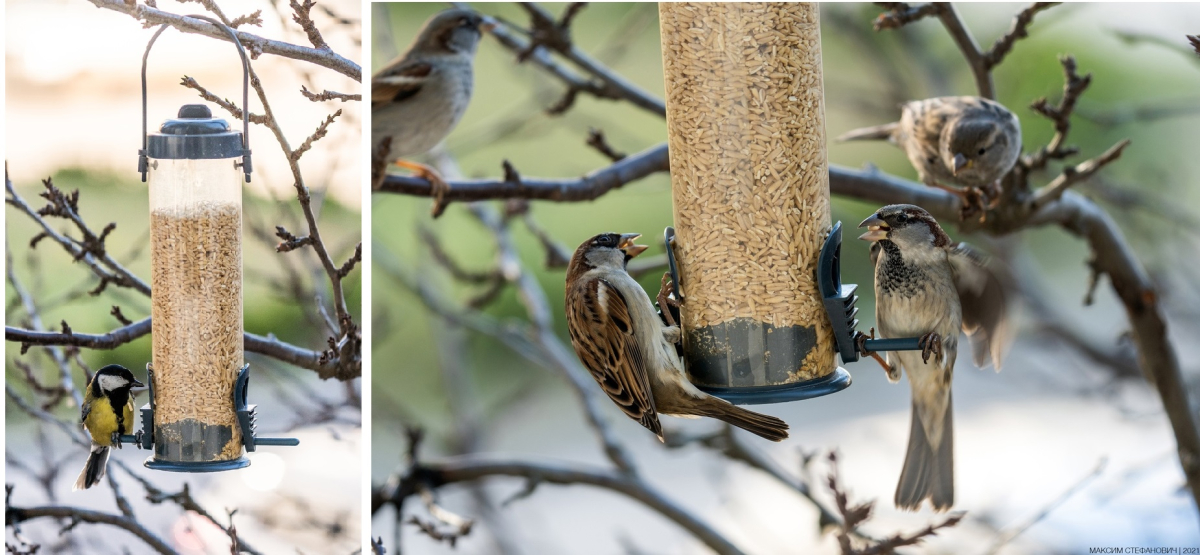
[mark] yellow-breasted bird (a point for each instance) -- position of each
(107, 414)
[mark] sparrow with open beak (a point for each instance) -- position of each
(418, 98)
(965, 140)
(928, 287)
(619, 337)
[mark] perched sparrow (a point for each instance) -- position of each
(927, 286)
(619, 337)
(107, 413)
(418, 98)
(965, 140)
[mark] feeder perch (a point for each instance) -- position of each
(750, 184)
(198, 419)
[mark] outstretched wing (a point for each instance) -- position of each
(398, 83)
(984, 304)
(602, 334)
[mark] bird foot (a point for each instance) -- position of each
(974, 200)
(116, 439)
(860, 340)
(438, 188)
(665, 289)
(930, 344)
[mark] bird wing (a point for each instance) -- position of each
(982, 296)
(400, 82)
(602, 333)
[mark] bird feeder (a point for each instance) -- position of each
(750, 184)
(194, 166)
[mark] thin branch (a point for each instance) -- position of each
(1019, 30)
(1076, 174)
(328, 95)
(589, 187)
(900, 14)
(604, 83)
(254, 44)
(468, 469)
(303, 17)
(970, 49)
(267, 346)
(16, 515)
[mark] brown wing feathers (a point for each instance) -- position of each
(612, 355)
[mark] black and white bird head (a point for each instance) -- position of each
(114, 377)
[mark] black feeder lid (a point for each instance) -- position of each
(195, 135)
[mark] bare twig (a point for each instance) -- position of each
(1075, 174)
(16, 515)
(328, 95)
(254, 44)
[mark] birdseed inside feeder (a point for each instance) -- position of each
(750, 184)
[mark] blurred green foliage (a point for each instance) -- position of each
(866, 74)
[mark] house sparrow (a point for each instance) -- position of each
(418, 98)
(927, 286)
(965, 140)
(631, 352)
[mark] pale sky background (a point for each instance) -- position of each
(73, 91)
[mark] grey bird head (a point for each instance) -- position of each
(910, 227)
(609, 250)
(115, 377)
(977, 149)
(454, 31)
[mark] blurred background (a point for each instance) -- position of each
(73, 109)
(1069, 409)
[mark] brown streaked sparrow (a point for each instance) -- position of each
(630, 351)
(928, 287)
(965, 140)
(418, 98)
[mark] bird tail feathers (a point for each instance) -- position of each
(928, 471)
(874, 133)
(761, 425)
(93, 471)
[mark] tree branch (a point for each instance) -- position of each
(17, 515)
(255, 44)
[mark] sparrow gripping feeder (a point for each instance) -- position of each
(839, 305)
(198, 419)
(750, 183)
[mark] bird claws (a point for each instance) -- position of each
(116, 439)
(665, 289)
(438, 188)
(930, 344)
(860, 340)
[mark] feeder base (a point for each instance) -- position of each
(210, 466)
(836, 381)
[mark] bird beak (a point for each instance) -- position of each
(960, 163)
(137, 386)
(488, 24)
(877, 229)
(631, 250)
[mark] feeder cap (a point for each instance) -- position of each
(194, 135)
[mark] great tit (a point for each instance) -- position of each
(105, 422)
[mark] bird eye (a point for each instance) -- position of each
(981, 151)
(902, 218)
